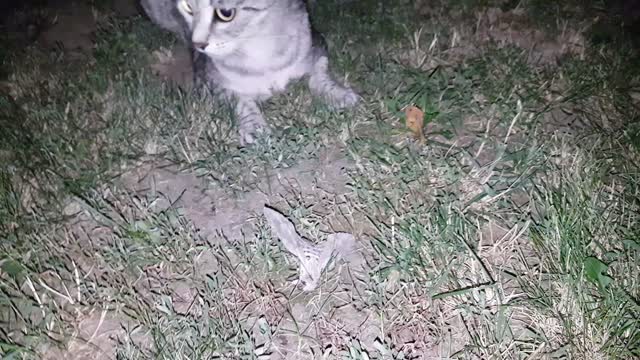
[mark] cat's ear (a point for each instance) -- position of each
(281, 226)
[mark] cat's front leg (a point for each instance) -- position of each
(251, 122)
(321, 84)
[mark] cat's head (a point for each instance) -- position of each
(218, 26)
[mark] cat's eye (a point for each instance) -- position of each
(186, 7)
(226, 15)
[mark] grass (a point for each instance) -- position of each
(512, 233)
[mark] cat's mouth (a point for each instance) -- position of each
(214, 49)
(228, 46)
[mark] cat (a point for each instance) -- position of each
(246, 51)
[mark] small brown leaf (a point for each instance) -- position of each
(415, 121)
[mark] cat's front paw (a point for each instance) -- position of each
(348, 99)
(252, 127)
(322, 84)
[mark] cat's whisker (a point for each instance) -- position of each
(254, 37)
(269, 36)
(235, 40)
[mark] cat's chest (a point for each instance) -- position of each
(266, 72)
(262, 85)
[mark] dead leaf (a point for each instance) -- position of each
(415, 121)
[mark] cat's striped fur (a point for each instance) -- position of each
(256, 53)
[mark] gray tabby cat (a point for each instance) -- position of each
(248, 50)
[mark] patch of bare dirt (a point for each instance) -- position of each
(96, 336)
(72, 28)
(502, 28)
(514, 27)
(173, 66)
(62, 25)
(217, 211)
(126, 8)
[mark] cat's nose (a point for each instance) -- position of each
(200, 45)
